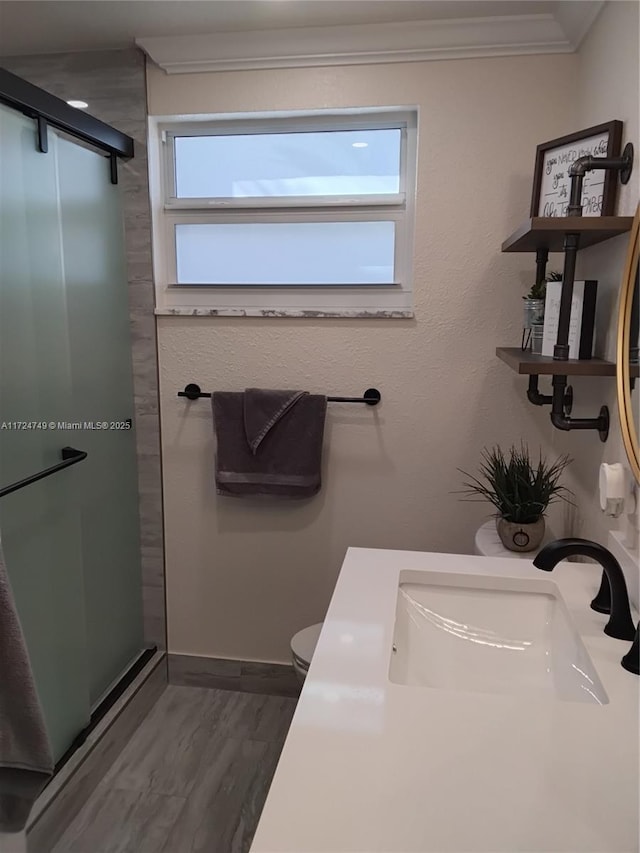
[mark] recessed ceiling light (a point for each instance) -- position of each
(359, 144)
(79, 105)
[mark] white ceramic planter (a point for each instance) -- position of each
(520, 537)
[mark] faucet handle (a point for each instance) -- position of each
(631, 661)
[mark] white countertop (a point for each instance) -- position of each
(374, 766)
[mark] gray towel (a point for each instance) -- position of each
(269, 442)
(26, 763)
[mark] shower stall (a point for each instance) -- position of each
(71, 538)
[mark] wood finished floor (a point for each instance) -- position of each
(193, 778)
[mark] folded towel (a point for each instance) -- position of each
(269, 442)
(26, 763)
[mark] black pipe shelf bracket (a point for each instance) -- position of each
(561, 398)
(50, 111)
(534, 396)
(371, 396)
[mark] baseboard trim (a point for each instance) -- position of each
(70, 789)
(273, 679)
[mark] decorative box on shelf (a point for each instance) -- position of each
(581, 324)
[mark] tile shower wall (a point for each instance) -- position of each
(113, 83)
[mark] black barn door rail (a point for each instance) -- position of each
(46, 109)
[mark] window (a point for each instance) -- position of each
(285, 214)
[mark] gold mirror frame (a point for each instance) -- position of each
(623, 369)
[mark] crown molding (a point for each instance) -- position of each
(576, 19)
(410, 41)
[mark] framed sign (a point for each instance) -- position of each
(551, 180)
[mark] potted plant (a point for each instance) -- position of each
(521, 490)
(534, 304)
(534, 313)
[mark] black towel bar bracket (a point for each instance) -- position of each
(371, 396)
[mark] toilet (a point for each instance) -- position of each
(303, 645)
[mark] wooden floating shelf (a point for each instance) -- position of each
(528, 364)
(548, 232)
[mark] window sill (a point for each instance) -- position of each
(364, 314)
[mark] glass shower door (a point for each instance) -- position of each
(100, 355)
(71, 540)
(40, 524)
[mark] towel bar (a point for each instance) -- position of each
(371, 396)
(70, 456)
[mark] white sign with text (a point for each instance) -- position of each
(556, 182)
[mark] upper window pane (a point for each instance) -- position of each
(263, 165)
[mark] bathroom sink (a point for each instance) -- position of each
(489, 635)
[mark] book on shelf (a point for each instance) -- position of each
(581, 324)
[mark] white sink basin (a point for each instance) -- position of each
(489, 635)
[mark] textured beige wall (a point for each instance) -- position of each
(609, 69)
(242, 577)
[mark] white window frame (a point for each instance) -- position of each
(394, 300)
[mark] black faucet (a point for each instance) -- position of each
(620, 624)
(631, 661)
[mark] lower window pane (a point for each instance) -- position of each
(286, 253)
